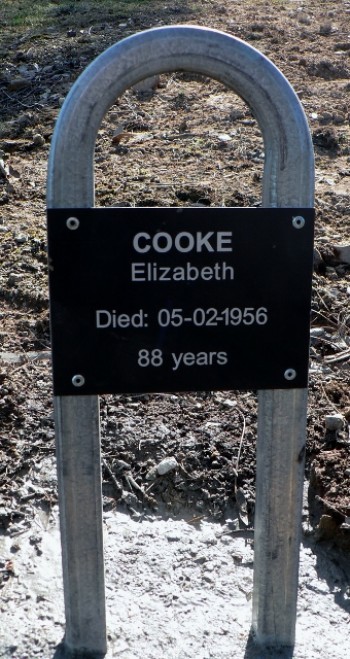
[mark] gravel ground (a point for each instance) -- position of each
(173, 588)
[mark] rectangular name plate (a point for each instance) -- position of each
(179, 299)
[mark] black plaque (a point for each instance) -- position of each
(179, 299)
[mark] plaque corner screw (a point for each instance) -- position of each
(298, 221)
(290, 374)
(72, 223)
(78, 380)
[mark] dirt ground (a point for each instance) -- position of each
(183, 141)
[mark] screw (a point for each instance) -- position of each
(78, 380)
(298, 222)
(290, 374)
(72, 223)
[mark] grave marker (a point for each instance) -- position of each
(179, 299)
(168, 242)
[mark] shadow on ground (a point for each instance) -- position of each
(333, 566)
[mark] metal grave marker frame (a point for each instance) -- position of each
(288, 182)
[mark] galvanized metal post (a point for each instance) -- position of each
(79, 479)
(279, 490)
(288, 182)
(78, 447)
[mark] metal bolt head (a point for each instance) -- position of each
(72, 223)
(290, 374)
(298, 222)
(78, 380)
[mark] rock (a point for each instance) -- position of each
(38, 140)
(224, 137)
(147, 85)
(317, 331)
(326, 29)
(334, 422)
(14, 279)
(166, 465)
(21, 238)
(229, 403)
(342, 253)
(345, 526)
(162, 468)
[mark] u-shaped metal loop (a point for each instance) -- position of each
(288, 182)
(289, 168)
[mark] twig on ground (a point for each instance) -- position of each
(339, 357)
(118, 487)
(241, 441)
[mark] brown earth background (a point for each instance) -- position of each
(179, 141)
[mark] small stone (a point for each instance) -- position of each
(14, 279)
(334, 421)
(342, 253)
(166, 465)
(21, 238)
(224, 137)
(345, 526)
(147, 85)
(317, 331)
(38, 140)
(162, 468)
(229, 403)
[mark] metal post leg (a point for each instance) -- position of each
(80, 498)
(279, 492)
